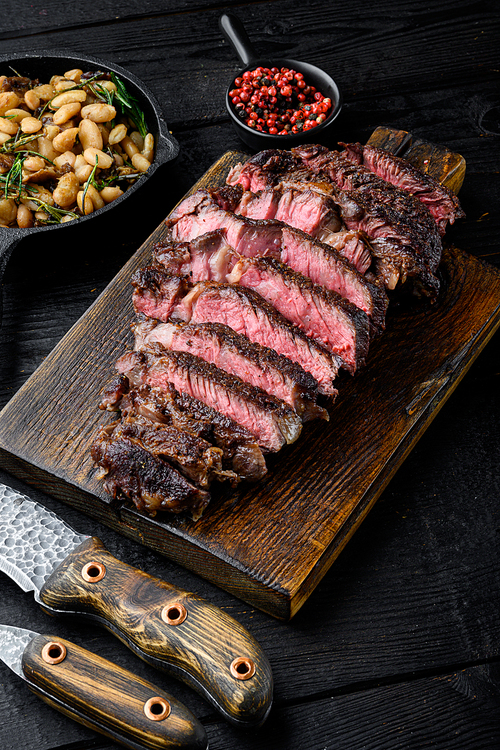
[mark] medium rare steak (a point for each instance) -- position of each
(441, 202)
(205, 256)
(271, 421)
(324, 316)
(387, 211)
(250, 315)
(338, 325)
(152, 484)
(237, 355)
(167, 406)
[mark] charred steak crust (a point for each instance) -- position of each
(442, 202)
(168, 406)
(152, 484)
(193, 456)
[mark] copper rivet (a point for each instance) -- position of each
(157, 708)
(174, 614)
(242, 668)
(93, 572)
(53, 652)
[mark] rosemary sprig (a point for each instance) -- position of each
(56, 213)
(90, 180)
(129, 105)
(14, 143)
(15, 176)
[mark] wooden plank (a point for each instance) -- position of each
(269, 544)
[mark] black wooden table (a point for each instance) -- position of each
(399, 646)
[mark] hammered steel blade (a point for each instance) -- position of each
(33, 540)
(13, 641)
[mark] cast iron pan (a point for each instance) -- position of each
(44, 64)
(235, 33)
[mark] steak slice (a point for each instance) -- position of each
(206, 256)
(167, 406)
(237, 355)
(386, 211)
(247, 313)
(302, 208)
(440, 200)
(153, 485)
(326, 317)
(272, 421)
(193, 456)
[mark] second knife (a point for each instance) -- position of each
(171, 629)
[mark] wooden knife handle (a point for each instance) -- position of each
(171, 629)
(107, 698)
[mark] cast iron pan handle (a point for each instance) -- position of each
(235, 33)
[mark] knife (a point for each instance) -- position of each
(101, 695)
(171, 629)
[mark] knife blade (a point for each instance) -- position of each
(99, 694)
(171, 629)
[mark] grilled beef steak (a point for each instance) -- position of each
(130, 471)
(441, 202)
(240, 450)
(193, 456)
(270, 420)
(237, 355)
(247, 313)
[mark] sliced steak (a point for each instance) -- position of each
(207, 256)
(237, 355)
(320, 263)
(193, 456)
(441, 202)
(167, 406)
(250, 315)
(271, 421)
(386, 211)
(326, 317)
(302, 208)
(153, 485)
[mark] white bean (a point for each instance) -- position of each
(104, 161)
(8, 100)
(8, 210)
(99, 112)
(89, 206)
(67, 189)
(68, 97)
(65, 140)
(109, 193)
(140, 162)
(90, 135)
(117, 134)
(24, 217)
(66, 112)
(31, 125)
(8, 126)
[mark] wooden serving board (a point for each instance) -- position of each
(270, 543)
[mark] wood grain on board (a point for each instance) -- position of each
(270, 543)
